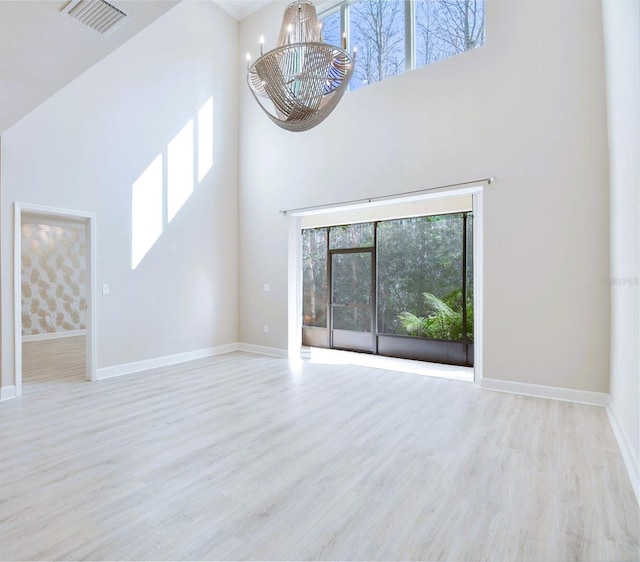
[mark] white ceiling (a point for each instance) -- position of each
(43, 49)
(240, 9)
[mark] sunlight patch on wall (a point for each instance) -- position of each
(169, 181)
(179, 170)
(205, 138)
(146, 211)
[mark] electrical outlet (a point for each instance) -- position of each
(266, 288)
(265, 328)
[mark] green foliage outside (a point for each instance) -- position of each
(418, 270)
(444, 319)
(416, 256)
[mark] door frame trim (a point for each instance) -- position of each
(90, 219)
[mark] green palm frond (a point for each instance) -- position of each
(443, 320)
(412, 324)
(438, 305)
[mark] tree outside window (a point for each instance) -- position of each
(445, 28)
(377, 29)
(381, 32)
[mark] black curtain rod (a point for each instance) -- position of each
(489, 181)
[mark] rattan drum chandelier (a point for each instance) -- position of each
(301, 81)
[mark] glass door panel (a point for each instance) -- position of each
(352, 300)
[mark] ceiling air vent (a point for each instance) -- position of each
(99, 15)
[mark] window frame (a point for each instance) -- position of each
(330, 7)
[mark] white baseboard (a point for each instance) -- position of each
(551, 392)
(262, 350)
(630, 458)
(167, 360)
(137, 366)
(7, 393)
(54, 335)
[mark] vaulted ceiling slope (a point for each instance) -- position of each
(42, 48)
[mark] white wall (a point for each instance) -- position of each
(529, 108)
(622, 51)
(85, 147)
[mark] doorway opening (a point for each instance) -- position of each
(352, 300)
(371, 305)
(399, 288)
(54, 269)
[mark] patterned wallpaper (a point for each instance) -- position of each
(54, 296)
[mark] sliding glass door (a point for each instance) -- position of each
(401, 287)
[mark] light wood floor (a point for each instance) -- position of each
(60, 359)
(242, 457)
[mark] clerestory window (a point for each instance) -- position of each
(392, 36)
